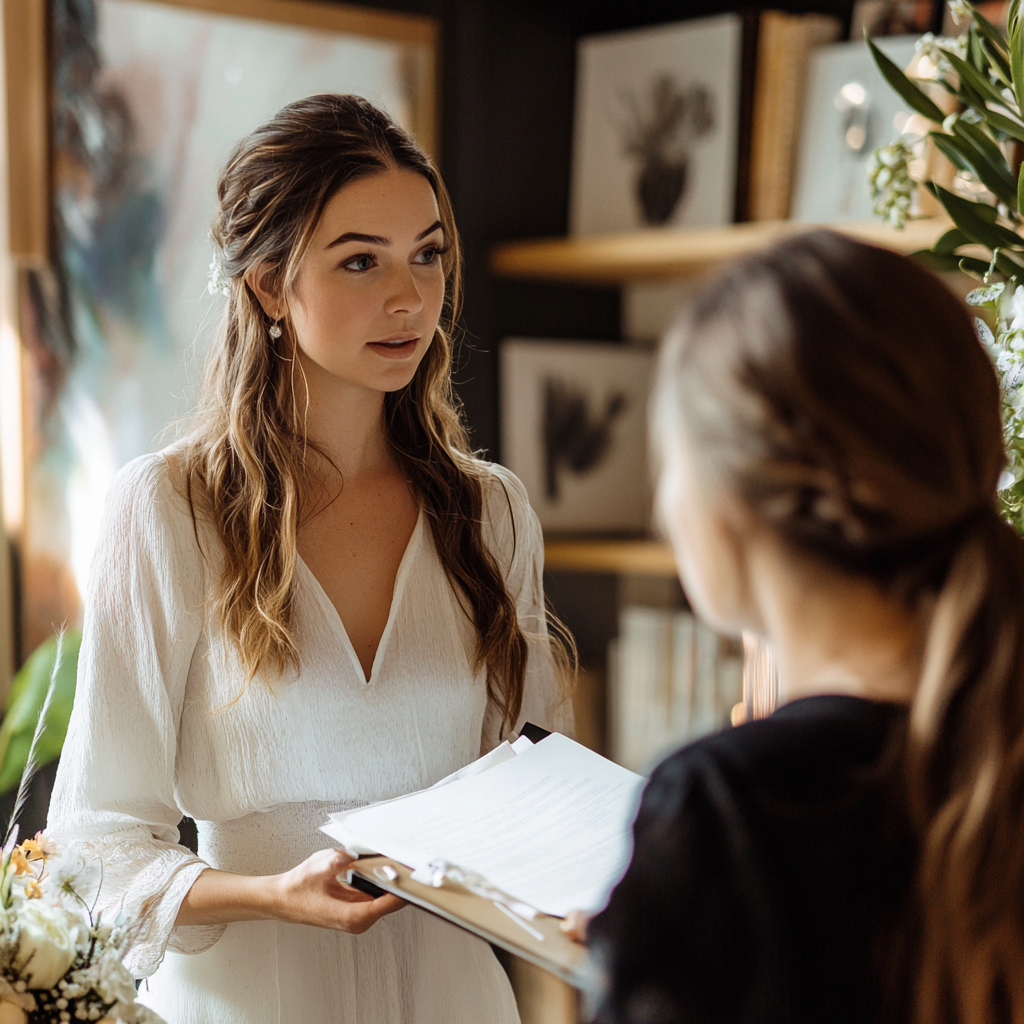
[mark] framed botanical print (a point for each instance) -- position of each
(574, 430)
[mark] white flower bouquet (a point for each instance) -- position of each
(58, 961)
(982, 75)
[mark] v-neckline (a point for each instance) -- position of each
(396, 596)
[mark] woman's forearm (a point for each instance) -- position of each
(313, 892)
(220, 897)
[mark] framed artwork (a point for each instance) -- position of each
(850, 110)
(894, 18)
(147, 98)
(657, 118)
(574, 430)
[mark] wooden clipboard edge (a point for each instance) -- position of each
(556, 953)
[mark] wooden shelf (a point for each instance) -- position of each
(638, 255)
(643, 557)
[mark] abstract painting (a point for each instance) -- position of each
(573, 429)
(148, 100)
(656, 127)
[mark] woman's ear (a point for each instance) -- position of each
(259, 279)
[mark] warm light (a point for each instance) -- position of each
(11, 436)
(95, 465)
(854, 93)
(855, 137)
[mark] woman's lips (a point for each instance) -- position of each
(398, 348)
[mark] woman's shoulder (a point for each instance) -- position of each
(811, 750)
(511, 528)
(149, 491)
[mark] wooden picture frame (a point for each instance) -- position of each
(31, 264)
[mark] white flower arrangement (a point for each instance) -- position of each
(59, 962)
(891, 186)
(1004, 301)
(983, 141)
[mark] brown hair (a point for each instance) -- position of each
(839, 390)
(247, 462)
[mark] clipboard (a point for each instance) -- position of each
(554, 951)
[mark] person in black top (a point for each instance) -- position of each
(830, 445)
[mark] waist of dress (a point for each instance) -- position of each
(267, 842)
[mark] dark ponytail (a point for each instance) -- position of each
(965, 761)
(840, 392)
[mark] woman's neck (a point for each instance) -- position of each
(833, 632)
(345, 421)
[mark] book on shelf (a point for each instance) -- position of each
(784, 45)
(672, 680)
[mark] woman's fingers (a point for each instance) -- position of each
(356, 918)
(575, 925)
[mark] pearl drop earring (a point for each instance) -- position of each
(275, 330)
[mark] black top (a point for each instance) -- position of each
(770, 879)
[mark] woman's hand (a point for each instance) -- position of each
(313, 893)
(575, 925)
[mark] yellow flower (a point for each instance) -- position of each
(36, 848)
(20, 862)
(32, 890)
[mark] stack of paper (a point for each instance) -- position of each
(548, 824)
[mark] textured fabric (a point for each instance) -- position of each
(163, 725)
(772, 869)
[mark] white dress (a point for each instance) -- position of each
(157, 732)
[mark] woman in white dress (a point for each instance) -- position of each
(318, 599)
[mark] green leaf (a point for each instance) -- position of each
(1000, 122)
(974, 268)
(1016, 55)
(28, 691)
(940, 262)
(952, 149)
(913, 95)
(1008, 266)
(989, 163)
(1000, 65)
(992, 34)
(950, 242)
(973, 220)
(970, 76)
(1020, 189)
(964, 154)
(974, 52)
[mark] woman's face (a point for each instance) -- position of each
(370, 286)
(706, 539)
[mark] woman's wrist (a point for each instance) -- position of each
(222, 897)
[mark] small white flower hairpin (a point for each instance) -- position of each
(219, 281)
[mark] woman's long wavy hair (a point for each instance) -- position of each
(840, 392)
(248, 465)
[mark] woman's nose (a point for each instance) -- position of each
(405, 295)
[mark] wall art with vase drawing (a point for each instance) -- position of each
(656, 127)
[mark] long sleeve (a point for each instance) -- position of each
(115, 788)
(514, 535)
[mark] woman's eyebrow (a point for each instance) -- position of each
(355, 236)
(433, 227)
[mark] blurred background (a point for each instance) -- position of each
(601, 156)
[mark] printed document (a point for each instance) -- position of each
(549, 826)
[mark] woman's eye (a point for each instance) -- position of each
(430, 255)
(364, 261)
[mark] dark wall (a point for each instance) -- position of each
(508, 72)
